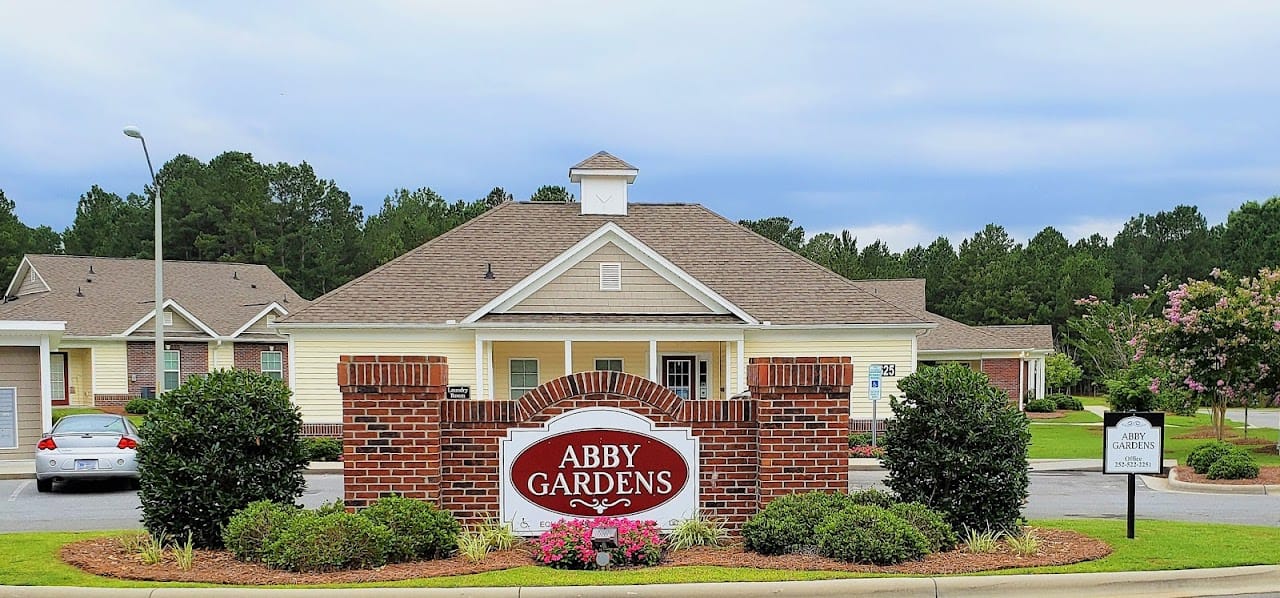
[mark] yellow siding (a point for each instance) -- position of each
(865, 349)
(577, 290)
(80, 374)
(222, 357)
(550, 356)
(634, 356)
(315, 362)
(260, 327)
(110, 367)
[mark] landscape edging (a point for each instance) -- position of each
(1182, 486)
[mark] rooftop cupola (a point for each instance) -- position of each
(604, 180)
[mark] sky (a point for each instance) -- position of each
(900, 121)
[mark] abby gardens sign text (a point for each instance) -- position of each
(598, 461)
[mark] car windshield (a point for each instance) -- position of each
(90, 424)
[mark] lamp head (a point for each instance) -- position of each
(133, 132)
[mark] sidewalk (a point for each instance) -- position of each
(25, 469)
(1192, 582)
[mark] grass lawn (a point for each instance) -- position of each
(1095, 401)
(31, 559)
(60, 412)
(1056, 441)
(1073, 417)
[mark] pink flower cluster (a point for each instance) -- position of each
(567, 545)
(867, 452)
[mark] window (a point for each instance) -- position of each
(677, 375)
(611, 277)
(168, 318)
(272, 364)
(172, 370)
(609, 365)
(524, 376)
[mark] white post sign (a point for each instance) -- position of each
(1134, 443)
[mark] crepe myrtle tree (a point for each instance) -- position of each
(1219, 338)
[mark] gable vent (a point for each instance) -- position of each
(611, 277)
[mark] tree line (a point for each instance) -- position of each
(234, 208)
(306, 228)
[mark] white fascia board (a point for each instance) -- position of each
(295, 326)
(262, 314)
(609, 233)
(23, 268)
(965, 354)
(171, 304)
(598, 335)
(576, 174)
(32, 326)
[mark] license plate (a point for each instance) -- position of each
(83, 464)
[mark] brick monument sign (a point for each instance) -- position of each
(593, 443)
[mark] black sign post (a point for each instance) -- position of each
(1132, 443)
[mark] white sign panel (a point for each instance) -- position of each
(596, 462)
(1133, 445)
(873, 382)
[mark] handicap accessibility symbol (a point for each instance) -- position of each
(875, 384)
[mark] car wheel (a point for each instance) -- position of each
(44, 485)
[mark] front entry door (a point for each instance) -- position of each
(58, 378)
(677, 374)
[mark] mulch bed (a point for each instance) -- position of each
(1049, 415)
(105, 557)
(1268, 474)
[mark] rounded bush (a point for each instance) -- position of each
(930, 523)
(1066, 402)
(956, 444)
(868, 534)
(138, 406)
(323, 449)
(214, 445)
(252, 530)
(1205, 455)
(420, 530)
(329, 542)
(1236, 465)
(857, 439)
(787, 523)
(1041, 406)
(872, 496)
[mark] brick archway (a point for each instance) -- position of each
(402, 435)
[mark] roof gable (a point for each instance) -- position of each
(610, 234)
(194, 323)
(26, 280)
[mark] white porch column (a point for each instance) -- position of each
(479, 390)
(488, 358)
(653, 361)
(568, 357)
(1040, 378)
(46, 388)
(742, 366)
(728, 384)
(1023, 364)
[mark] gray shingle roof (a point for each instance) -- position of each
(1027, 336)
(603, 160)
(951, 335)
(444, 278)
(122, 292)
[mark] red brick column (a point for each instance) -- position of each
(1004, 375)
(803, 416)
(391, 426)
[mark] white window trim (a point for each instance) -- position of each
(17, 424)
(511, 389)
(611, 276)
(265, 370)
(595, 363)
(693, 379)
(160, 383)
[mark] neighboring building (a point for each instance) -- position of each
(1012, 356)
(675, 293)
(215, 316)
(25, 389)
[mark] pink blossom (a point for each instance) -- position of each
(1155, 386)
(1276, 325)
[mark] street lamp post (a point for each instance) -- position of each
(134, 132)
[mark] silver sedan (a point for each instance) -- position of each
(88, 447)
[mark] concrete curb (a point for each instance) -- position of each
(1173, 584)
(1181, 486)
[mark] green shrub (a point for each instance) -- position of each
(1066, 402)
(419, 529)
(329, 542)
(1205, 455)
(253, 529)
(931, 524)
(1041, 406)
(1236, 465)
(957, 445)
(322, 449)
(138, 406)
(872, 496)
(787, 523)
(699, 530)
(214, 445)
(868, 534)
(857, 439)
